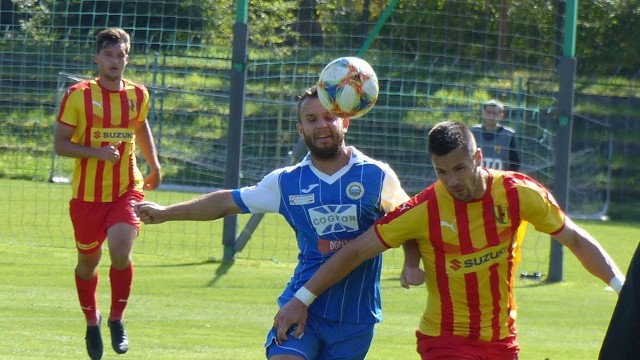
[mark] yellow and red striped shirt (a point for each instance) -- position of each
(102, 117)
(470, 251)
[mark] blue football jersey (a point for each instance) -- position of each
(326, 211)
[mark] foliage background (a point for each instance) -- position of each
(435, 60)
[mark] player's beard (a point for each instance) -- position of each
(325, 152)
(467, 193)
(111, 72)
(112, 75)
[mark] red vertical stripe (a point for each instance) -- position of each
(88, 113)
(63, 104)
(513, 200)
(124, 109)
(106, 120)
(488, 217)
(124, 123)
(139, 99)
(492, 236)
(470, 279)
(494, 281)
(442, 280)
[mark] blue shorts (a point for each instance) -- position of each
(324, 340)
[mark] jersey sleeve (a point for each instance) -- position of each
(406, 222)
(539, 207)
(392, 193)
(263, 197)
(145, 106)
(68, 113)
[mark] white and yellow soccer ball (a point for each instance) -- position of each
(348, 87)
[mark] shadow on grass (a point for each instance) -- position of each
(222, 269)
(187, 264)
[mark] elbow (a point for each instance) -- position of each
(57, 148)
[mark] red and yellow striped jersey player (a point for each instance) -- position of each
(100, 123)
(468, 226)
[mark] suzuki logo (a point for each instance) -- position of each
(455, 264)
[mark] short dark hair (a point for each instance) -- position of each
(309, 93)
(112, 36)
(447, 136)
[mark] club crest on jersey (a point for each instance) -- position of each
(501, 213)
(355, 190)
(498, 149)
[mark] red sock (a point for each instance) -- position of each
(88, 300)
(120, 289)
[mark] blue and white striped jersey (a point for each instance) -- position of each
(326, 211)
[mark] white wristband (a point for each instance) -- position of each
(616, 283)
(304, 295)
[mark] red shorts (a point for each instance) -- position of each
(461, 348)
(92, 219)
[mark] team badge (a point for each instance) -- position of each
(501, 213)
(355, 191)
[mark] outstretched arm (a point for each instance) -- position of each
(210, 206)
(294, 313)
(591, 254)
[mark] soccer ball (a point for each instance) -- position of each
(348, 87)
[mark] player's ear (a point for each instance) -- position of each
(345, 124)
(299, 129)
(477, 157)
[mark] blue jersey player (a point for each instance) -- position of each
(333, 195)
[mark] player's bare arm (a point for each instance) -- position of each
(590, 253)
(65, 147)
(144, 140)
(411, 274)
(210, 206)
(294, 312)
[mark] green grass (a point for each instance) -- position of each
(189, 307)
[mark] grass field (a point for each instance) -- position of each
(188, 307)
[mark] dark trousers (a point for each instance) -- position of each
(622, 340)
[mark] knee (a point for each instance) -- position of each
(86, 268)
(120, 261)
